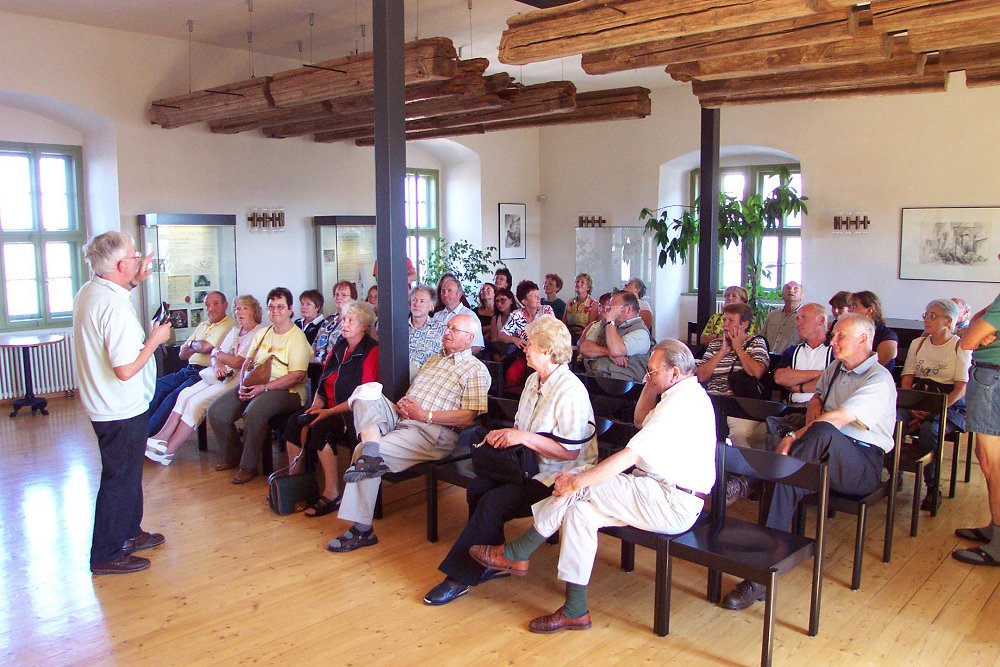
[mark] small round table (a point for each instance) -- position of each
(26, 342)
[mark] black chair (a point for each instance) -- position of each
(496, 378)
(753, 551)
(858, 506)
(275, 427)
(955, 438)
(614, 438)
(936, 404)
(753, 409)
(613, 398)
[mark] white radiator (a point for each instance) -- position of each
(51, 369)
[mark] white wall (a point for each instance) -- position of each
(876, 154)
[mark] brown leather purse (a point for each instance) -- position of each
(252, 373)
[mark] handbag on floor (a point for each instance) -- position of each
(287, 494)
(513, 465)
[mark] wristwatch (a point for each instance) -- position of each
(430, 416)
(791, 434)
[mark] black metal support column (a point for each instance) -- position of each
(390, 173)
(708, 215)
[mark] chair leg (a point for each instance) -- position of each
(969, 447)
(432, 506)
(661, 598)
(915, 512)
(378, 503)
(714, 586)
(890, 525)
(770, 597)
(955, 447)
(267, 454)
(203, 436)
(628, 556)
(859, 547)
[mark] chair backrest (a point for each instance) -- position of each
(614, 438)
(615, 387)
(692, 333)
(912, 399)
(746, 408)
(501, 412)
(496, 377)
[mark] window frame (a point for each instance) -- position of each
(431, 233)
(75, 235)
(754, 175)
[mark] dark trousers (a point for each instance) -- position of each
(118, 514)
(168, 388)
(854, 469)
(491, 505)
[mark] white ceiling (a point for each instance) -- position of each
(279, 26)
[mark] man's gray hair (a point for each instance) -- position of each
(106, 250)
(948, 308)
(425, 288)
(861, 325)
(820, 310)
(676, 355)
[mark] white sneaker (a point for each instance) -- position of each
(156, 445)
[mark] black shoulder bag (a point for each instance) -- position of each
(513, 465)
(745, 385)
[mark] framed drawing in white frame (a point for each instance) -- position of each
(952, 243)
(513, 234)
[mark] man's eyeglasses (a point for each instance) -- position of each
(649, 373)
(457, 330)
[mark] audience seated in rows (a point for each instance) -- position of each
(937, 363)
(195, 350)
(734, 352)
(284, 391)
(618, 346)
(513, 332)
(343, 293)
(503, 280)
(452, 302)
(779, 326)
(849, 425)
(563, 410)
(674, 459)
(505, 304)
(485, 307)
(225, 362)
(353, 361)
(713, 328)
(425, 333)
(448, 393)
(552, 286)
(581, 309)
(638, 288)
(886, 341)
(311, 309)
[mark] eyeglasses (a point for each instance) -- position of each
(457, 330)
(930, 316)
(277, 307)
(649, 373)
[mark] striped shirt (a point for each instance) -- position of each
(719, 382)
(456, 381)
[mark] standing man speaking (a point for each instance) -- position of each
(116, 374)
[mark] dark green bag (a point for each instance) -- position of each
(288, 494)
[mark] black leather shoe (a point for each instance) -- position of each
(141, 541)
(744, 595)
(492, 573)
(445, 592)
(124, 565)
(931, 501)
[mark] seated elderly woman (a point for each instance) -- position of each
(713, 328)
(937, 363)
(581, 309)
(352, 362)
(886, 341)
(283, 345)
(514, 331)
(219, 377)
(563, 410)
(736, 350)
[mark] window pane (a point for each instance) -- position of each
(793, 259)
(734, 185)
(732, 265)
(20, 281)
(54, 173)
(59, 277)
(410, 197)
(769, 273)
(15, 193)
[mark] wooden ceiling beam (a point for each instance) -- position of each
(969, 58)
(596, 25)
(898, 15)
(982, 76)
(233, 99)
(798, 31)
(929, 83)
(793, 59)
(956, 35)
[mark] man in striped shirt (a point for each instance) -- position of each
(448, 393)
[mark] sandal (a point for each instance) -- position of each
(352, 540)
(976, 534)
(322, 507)
(159, 446)
(975, 556)
(366, 467)
(163, 459)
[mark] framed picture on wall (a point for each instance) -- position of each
(955, 243)
(513, 235)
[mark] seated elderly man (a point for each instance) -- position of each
(849, 424)
(448, 394)
(451, 297)
(196, 350)
(425, 333)
(779, 325)
(674, 459)
(800, 368)
(618, 346)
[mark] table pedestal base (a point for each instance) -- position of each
(34, 402)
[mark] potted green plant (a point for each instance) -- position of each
(744, 220)
(462, 259)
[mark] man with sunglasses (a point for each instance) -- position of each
(446, 396)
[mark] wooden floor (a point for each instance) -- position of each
(237, 584)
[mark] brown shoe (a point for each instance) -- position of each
(557, 621)
(225, 465)
(143, 540)
(124, 565)
(490, 555)
(244, 475)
